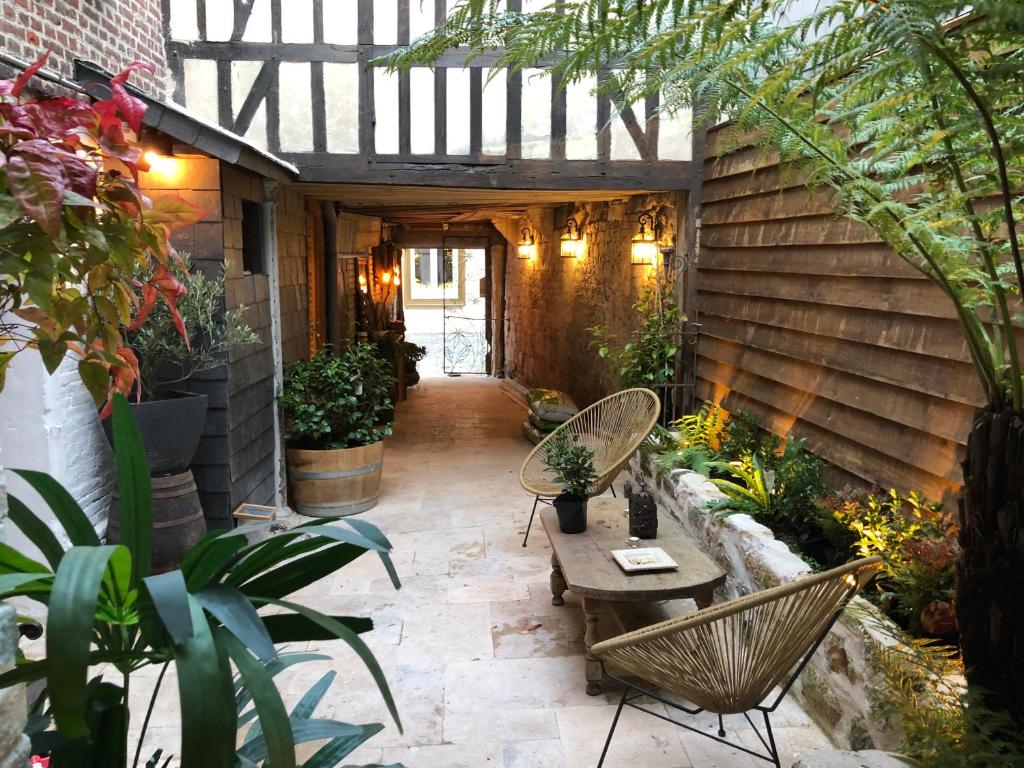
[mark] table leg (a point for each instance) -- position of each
(704, 597)
(558, 585)
(590, 615)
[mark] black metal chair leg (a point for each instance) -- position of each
(532, 513)
(613, 491)
(721, 727)
(771, 740)
(615, 722)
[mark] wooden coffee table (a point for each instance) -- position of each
(582, 563)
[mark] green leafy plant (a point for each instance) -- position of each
(648, 359)
(784, 494)
(697, 441)
(75, 230)
(572, 464)
(924, 699)
(917, 543)
(104, 607)
(165, 356)
(338, 400)
(908, 111)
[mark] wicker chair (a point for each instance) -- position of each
(613, 428)
(729, 658)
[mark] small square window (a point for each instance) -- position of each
(252, 238)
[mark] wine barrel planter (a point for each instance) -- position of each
(343, 481)
(178, 522)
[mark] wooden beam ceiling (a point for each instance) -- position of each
(450, 205)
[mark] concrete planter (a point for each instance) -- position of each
(837, 687)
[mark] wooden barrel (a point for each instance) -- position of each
(178, 522)
(332, 483)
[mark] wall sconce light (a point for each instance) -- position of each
(572, 240)
(398, 276)
(527, 245)
(644, 246)
(385, 278)
(362, 283)
(162, 165)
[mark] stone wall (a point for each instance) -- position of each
(837, 687)
(110, 33)
(550, 301)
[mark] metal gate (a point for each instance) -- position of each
(464, 312)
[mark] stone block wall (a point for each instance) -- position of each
(837, 687)
(550, 301)
(110, 33)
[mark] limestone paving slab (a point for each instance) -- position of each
(484, 670)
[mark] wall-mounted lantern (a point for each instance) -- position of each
(160, 164)
(644, 246)
(572, 240)
(527, 245)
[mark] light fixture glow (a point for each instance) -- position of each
(160, 164)
(362, 283)
(572, 240)
(385, 278)
(644, 245)
(527, 246)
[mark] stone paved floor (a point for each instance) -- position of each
(486, 672)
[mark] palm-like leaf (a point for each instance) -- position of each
(104, 608)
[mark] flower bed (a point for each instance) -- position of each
(837, 687)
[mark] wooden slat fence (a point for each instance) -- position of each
(814, 325)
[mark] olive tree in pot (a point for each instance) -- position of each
(168, 357)
(573, 467)
(338, 411)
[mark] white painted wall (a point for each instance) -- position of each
(49, 423)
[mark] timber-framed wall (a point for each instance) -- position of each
(301, 85)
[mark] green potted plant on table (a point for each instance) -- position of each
(573, 467)
(200, 622)
(338, 411)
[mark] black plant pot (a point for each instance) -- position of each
(572, 513)
(170, 429)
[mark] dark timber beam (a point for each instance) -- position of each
(497, 173)
(243, 50)
(261, 86)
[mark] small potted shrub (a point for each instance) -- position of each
(167, 361)
(573, 467)
(337, 408)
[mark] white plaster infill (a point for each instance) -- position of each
(837, 687)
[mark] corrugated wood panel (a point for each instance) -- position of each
(812, 323)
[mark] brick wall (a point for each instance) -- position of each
(551, 301)
(110, 33)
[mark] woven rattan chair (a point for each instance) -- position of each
(729, 658)
(613, 428)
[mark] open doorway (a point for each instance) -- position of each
(444, 297)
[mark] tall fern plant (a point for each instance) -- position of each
(912, 111)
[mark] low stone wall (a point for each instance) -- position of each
(836, 688)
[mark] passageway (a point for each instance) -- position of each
(485, 670)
